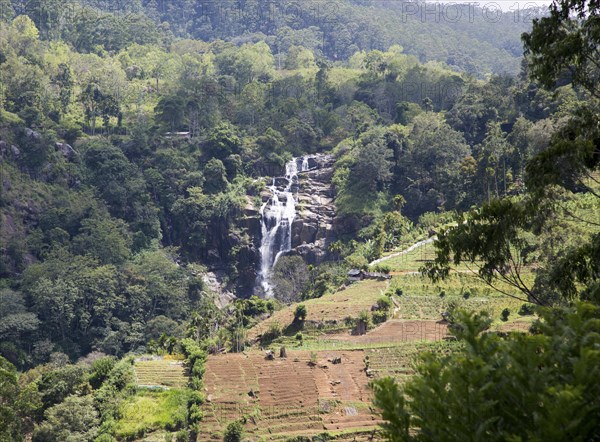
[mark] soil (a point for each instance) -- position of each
(287, 396)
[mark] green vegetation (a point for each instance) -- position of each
(136, 143)
(509, 394)
(538, 385)
(234, 432)
(161, 372)
(148, 410)
(300, 313)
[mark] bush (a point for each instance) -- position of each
(380, 317)
(382, 268)
(300, 313)
(234, 432)
(364, 318)
(526, 310)
(272, 333)
(182, 436)
(357, 261)
(100, 371)
(384, 303)
(505, 314)
(299, 336)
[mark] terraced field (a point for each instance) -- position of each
(303, 394)
(398, 361)
(332, 308)
(161, 373)
(397, 331)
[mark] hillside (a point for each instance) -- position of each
(475, 39)
(328, 220)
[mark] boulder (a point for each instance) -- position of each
(30, 133)
(66, 150)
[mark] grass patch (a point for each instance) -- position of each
(149, 411)
(332, 309)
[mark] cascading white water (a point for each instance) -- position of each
(277, 217)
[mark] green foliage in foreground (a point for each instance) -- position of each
(540, 386)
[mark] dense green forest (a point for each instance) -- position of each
(133, 138)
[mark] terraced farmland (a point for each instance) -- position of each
(161, 373)
(332, 308)
(398, 361)
(397, 331)
(288, 396)
(307, 394)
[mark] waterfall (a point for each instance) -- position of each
(277, 216)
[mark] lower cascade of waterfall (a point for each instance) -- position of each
(277, 216)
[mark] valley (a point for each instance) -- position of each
(331, 220)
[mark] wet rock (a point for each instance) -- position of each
(248, 257)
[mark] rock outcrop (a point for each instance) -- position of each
(312, 230)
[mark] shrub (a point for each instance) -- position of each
(398, 291)
(300, 313)
(272, 333)
(382, 268)
(100, 371)
(182, 436)
(467, 294)
(526, 310)
(384, 303)
(357, 261)
(299, 336)
(364, 318)
(505, 314)
(380, 316)
(234, 432)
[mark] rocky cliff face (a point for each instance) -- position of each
(312, 230)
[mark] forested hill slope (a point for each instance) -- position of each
(472, 38)
(106, 214)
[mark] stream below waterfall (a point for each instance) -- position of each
(277, 215)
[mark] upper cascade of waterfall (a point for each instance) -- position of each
(277, 216)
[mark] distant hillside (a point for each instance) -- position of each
(475, 40)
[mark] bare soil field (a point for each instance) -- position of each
(396, 331)
(306, 393)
